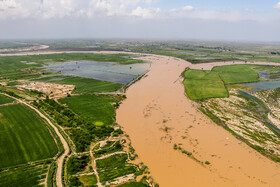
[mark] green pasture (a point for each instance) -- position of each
(31, 175)
(94, 108)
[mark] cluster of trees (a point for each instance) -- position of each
(77, 164)
(274, 53)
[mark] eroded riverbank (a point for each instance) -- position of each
(157, 114)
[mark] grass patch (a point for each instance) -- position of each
(201, 84)
(237, 73)
(88, 180)
(107, 150)
(110, 174)
(200, 89)
(24, 137)
(201, 75)
(4, 99)
(83, 85)
(112, 161)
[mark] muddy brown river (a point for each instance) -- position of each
(157, 114)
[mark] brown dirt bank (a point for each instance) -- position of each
(158, 101)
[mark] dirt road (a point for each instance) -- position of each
(59, 181)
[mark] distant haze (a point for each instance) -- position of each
(144, 19)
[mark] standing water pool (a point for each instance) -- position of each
(105, 71)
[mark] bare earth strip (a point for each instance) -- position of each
(59, 182)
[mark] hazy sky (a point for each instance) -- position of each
(235, 20)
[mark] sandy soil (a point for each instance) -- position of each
(24, 49)
(158, 101)
(52, 89)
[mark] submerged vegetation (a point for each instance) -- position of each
(82, 118)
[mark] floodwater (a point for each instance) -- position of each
(264, 74)
(264, 85)
(105, 71)
(157, 114)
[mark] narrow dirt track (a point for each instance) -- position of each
(59, 182)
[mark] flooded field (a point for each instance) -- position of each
(265, 85)
(191, 53)
(105, 71)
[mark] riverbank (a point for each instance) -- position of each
(157, 114)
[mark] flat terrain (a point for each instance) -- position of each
(97, 109)
(237, 73)
(84, 85)
(24, 137)
(201, 84)
(24, 66)
(32, 175)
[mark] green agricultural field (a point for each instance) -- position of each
(98, 109)
(200, 84)
(23, 137)
(200, 89)
(110, 174)
(237, 74)
(84, 85)
(31, 175)
(113, 167)
(201, 75)
(5, 99)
